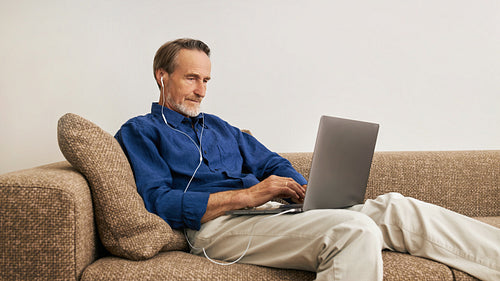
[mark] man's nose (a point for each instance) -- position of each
(201, 89)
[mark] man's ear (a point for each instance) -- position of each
(159, 73)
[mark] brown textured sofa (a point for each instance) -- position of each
(58, 221)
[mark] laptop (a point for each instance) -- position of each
(339, 171)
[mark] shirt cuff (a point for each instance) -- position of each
(194, 206)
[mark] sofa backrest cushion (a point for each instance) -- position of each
(125, 227)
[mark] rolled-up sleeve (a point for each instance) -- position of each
(180, 209)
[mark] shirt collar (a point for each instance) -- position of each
(174, 118)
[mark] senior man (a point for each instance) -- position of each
(192, 167)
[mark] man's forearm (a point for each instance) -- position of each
(220, 202)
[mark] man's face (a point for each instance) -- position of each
(185, 88)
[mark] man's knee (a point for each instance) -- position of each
(390, 198)
(357, 228)
(399, 205)
(383, 205)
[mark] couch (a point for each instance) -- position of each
(82, 219)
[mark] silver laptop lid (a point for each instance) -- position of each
(341, 163)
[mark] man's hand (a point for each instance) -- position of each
(272, 187)
(275, 186)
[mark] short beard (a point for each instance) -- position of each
(191, 112)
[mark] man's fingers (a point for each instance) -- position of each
(297, 189)
(284, 187)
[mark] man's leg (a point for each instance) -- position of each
(337, 244)
(426, 230)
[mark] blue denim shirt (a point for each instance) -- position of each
(163, 161)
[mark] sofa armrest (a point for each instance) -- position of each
(47, 224)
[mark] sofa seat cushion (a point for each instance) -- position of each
(400, 266)
(177, 265)
(125, 227)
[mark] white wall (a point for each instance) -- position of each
(427, 71)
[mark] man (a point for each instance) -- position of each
(191, 167)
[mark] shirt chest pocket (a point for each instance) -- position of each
(230, 157)
(223, 157)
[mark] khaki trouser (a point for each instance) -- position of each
(347, 244)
